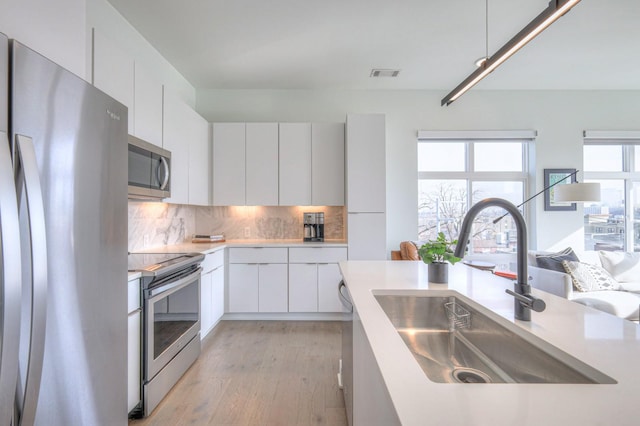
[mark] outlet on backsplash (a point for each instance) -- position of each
(247, 232)
(146, 240)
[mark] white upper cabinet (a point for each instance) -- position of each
(295, 164)
(327, 164)
(366, 172)
(261, 164)
(176, 140)
(229, 164)
(113, 72)
(147, 108)
(199, 160)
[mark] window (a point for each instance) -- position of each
(457, 169)
(613, 160)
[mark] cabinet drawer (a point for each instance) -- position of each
(258, 255)
(317, 254)
(133, 295)
(212, 261)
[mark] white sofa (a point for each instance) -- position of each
(623, 302)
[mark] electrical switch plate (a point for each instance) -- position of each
(146, 240)
(247, 232)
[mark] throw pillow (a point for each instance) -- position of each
(553, 261)
(624, 267)
(589, 277)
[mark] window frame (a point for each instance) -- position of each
(628, 140)
(470, 138)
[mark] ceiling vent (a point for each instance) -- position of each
(384, 73)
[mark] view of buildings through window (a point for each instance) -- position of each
(613, 223)
(455, 174)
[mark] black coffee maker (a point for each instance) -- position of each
(313, 226)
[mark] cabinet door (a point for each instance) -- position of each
(366, 175)
(206, 308)
(147, 106)
(272, 288)
(295, 164)
(367, 236)
(328, 279)
(176, 139)
(327, 164)
(199, 160)
(243, 288)
(262, 164)
(303, 287)
(113, 72)
(217, 294)
(228, 164)
(134, 377)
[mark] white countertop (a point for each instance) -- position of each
(207, 248)
(605, 342)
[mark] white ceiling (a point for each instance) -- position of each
(334, 44)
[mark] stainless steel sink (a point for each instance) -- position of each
(456, 343)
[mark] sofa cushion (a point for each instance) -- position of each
(624, 267)
(553, 261)
(633, 287)
(588, 277)
(619, 303)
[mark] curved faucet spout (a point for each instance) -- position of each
(524, 304)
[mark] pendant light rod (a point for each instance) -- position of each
(552, 13)
(538, 193)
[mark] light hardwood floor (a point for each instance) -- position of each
(260, 373)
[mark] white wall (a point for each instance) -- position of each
(558, 116)
(56, 29)
(102, 16)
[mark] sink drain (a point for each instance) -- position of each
(469, 375)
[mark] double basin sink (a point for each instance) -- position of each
(456, 341)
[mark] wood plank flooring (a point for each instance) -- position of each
(266, 373)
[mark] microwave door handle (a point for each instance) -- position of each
(165, 166)
(11, 288)
(28, 186)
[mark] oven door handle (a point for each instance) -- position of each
(156, 293)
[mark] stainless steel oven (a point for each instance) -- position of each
(171, 322)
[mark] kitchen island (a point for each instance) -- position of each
(605, 342)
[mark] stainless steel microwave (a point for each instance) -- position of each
(149, 171)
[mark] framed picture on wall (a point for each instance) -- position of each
(552, 176)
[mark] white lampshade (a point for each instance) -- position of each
(577, 192)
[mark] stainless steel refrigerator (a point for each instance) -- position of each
(63, 246)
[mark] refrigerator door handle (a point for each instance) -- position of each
(28, 186)
(165, 165)
(10, 284)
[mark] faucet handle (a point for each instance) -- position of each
(528, 301)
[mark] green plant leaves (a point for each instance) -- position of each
(439, 250)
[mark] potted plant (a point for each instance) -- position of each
(436, 253)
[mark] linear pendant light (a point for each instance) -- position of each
(555, 10)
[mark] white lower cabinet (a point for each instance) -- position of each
(134, 342)
(206, 311)
(217, 294)
(329, 278)
(272, 287)
(314, 276)
(303, 287)
(211, 291)
(258, 279)
(258, 287)
(243, 288)
(278, 280)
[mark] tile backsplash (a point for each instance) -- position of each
(157, 224)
